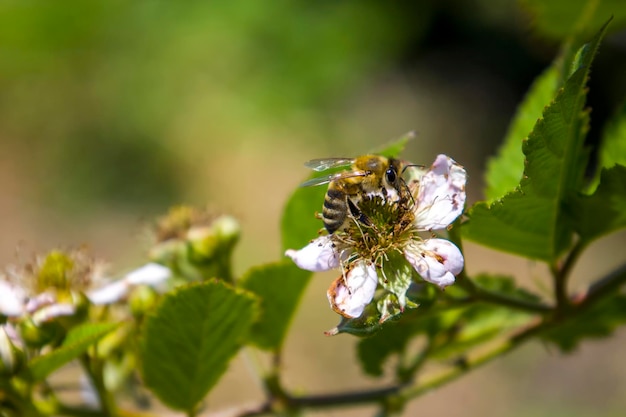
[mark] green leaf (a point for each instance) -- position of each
(393, 338)
(394, 148)
(559, 19)
(505, 170)
(613, 146)
(605, 210)
(77, 341)
(482, 322)
(299, 224)
(530, 220)
(598, 321)
(279, 287)
(191, 337)
(477, 325)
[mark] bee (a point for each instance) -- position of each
(370, 175)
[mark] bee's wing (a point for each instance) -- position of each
(323, 164)
(328, 178)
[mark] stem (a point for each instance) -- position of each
(346, 398)
(63, 410)
(93, 368)
(405, 374)
(516, 303)
(561, 276)
(602, 287)
(480, 294)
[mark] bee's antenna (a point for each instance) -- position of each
(412, 166)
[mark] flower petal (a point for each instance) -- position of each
(110, 293)
(151, 274)
(12, 300)
(40, 301)
(441, 194)
(52, 311)
(349, 296)
(436, 260)
(319, 255)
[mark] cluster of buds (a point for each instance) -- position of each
(196, 243)
(382, 257)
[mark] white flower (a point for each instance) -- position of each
(51, 286)
(15, 303)
(439, 197)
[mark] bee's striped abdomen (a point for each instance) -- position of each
(335, 209)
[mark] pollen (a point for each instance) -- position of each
(388, 226)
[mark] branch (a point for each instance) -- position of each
(480, 294)
(408, 391)
(601, 287)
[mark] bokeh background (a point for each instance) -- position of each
(111, 111)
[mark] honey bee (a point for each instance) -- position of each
(370, 175)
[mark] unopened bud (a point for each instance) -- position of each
(11, 358)
(142, 299)
(37, 336)
(218, 238)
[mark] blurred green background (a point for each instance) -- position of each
(111, 111)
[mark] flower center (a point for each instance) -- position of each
(383, 227)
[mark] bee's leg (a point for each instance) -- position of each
(357, 214)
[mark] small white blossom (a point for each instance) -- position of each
(16, 303)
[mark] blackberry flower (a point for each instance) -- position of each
(384, 251)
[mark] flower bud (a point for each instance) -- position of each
(217, 239)
(142, 299)
(37, 336)
(11, 358)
